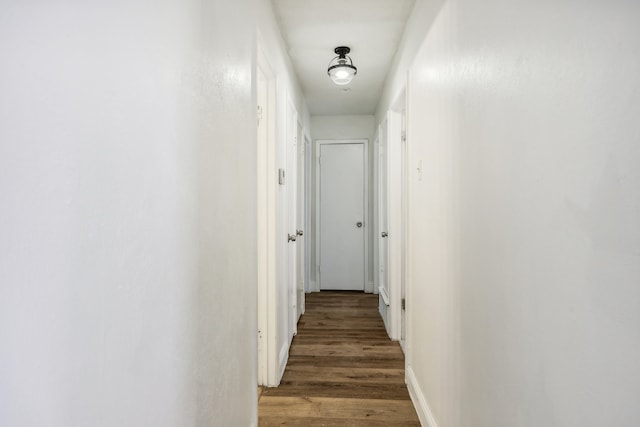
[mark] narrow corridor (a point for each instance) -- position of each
(343, 370)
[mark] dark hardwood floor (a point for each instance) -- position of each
(343, 370)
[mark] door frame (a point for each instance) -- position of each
(394, 212)
(400, 108)
(291, 193)
(301, 221)
(365, 220)
(409, 173)
(307, 212)
(390, 135)
(267, 226)
(376, 210)
(398, 113)
(382, 211)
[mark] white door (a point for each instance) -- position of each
(342, 214)
(290, 180)
(383, 216)
(300, 241)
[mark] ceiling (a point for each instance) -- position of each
(313, 28)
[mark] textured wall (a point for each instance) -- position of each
(525, 241)
(287, 95)
(127, 186)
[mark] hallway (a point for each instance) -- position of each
(161, 215)
(343, 369)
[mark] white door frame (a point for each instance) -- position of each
(365, 143)
(398, 211)
(382, 211)
(403, 219)
(301, 242)
(291, 189)
(307, 213)
(394, 198)
(266, 232)
(400, 108)
(391, 293)
(376, 211)
(411, 163)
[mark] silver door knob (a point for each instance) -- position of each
(291, 238)
(299, 232)
(358, 224)
(384, 234)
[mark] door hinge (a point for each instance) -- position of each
(404, 304)
(259, 114)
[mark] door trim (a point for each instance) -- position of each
(394, 219)
(390, 136)
(318, 144)
(301, 214)
(398, 114)
(307, 212)
(375, 217)
(291, 193)
(267, 369)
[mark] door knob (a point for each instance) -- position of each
(384, 234)
(299, 232)
(291, 238)
(359, 224)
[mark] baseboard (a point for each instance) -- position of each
(383, 309)
(282, 361)
(419, 401)
(385, 296)
(369, 287)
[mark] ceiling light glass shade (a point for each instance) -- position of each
(341, 68)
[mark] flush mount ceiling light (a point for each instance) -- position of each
(341, 69)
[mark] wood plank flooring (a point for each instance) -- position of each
(343, 370)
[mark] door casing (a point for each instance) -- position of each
(291, 190)
(267, 370)
(390, 220)
(365, 143)
(301, 242)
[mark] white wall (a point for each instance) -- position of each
(524, 296)
(341, 127)
(287, 90)
(127, 186)
(416, 28)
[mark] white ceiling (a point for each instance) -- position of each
(313, 28)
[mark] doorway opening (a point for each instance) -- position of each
(342, 214)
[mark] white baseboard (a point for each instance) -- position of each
(419, 401)
(282, 361)
(369, 288)
(383, 309)
(385, 296)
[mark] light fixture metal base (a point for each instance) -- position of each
(342, 50)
